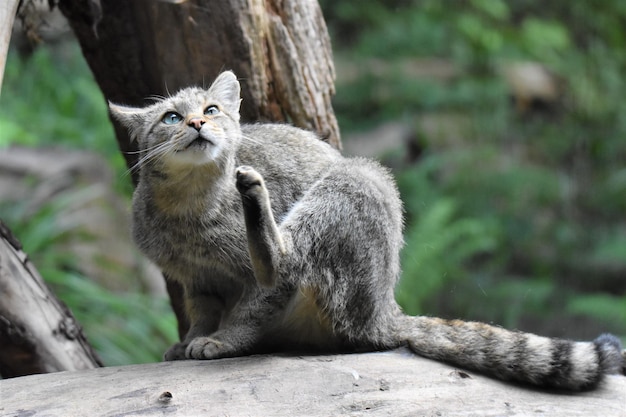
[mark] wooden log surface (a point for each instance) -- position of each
(395, 383)
(38, 333)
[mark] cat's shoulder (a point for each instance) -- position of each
(278, 150)
(280, 133)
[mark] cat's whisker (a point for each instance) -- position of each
(153, 154)
(140, 151)
(198, 7)
(130, 170)
(250, 139)
(156, 97)
(168, 151)
(160, 151)
(133, 169)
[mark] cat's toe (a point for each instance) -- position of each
(175, 352)
(206, 348)
(247, 178)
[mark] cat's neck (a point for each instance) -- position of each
(192, 191)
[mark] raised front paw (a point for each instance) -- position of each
(175, 352)
(207, 348)
(249, 181)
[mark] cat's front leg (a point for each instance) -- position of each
(175, 352)
(207, 347)
(265, 243)
(204, 312)
(244, 331)
(232, 342)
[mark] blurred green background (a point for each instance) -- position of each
(515, 189)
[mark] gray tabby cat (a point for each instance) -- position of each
(281, 243)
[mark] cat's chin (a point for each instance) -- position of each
(194, 155)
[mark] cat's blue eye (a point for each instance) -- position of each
(211, 111)
(171, 118)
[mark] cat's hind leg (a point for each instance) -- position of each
(265, 244)
(343, 239)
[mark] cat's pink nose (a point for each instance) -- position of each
(196, 122)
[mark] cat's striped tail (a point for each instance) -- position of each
(514, 356)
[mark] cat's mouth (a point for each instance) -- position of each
(197, 144)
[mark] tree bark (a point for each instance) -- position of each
(38, 333)
(390, 383)
(280, 50)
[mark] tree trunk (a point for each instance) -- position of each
(280, 50)
(373, 384)
(8, 8)
(38, 334)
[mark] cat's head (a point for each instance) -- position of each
(194, 127)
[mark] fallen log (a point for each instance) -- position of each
(38, 333)
(393, 383)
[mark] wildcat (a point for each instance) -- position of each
(281, 243)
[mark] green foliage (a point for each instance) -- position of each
(437, 244)
(124, 328)
(50, 99)
(513, 300)
(601, 306)
(522, 211)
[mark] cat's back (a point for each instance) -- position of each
(272, 144)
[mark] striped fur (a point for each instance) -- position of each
(515, 356)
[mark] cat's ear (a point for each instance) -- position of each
(226, 90)
(132, 118)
